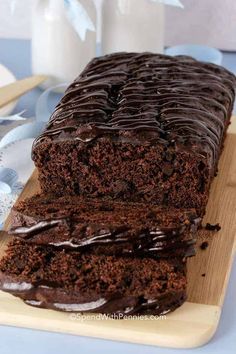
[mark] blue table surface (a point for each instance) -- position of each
(15, 54)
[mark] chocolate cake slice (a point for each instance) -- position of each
(138, 127)
(105, 227)
(71, 281)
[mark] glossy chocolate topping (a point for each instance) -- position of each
(78, 223)
(46, 296)
(146, 240)
(153, 97)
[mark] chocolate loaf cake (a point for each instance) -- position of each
(138, 127)
(105, 227)
(71, 281)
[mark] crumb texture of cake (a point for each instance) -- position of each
(105, 227)
(71, 281)
(139, 127)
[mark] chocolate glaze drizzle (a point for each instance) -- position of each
(126, 305)
(146, 241)
(170, 98)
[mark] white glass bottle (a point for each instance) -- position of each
(132, 25)
(57, 50)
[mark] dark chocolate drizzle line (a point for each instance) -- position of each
(174, 98)
(158, 306)
(35, 229)
(126, 305)
(148, 240)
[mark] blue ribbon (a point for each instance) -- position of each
(78, 17)
(42, 111)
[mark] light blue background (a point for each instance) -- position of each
(15, 54)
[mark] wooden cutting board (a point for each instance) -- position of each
(194, 323)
